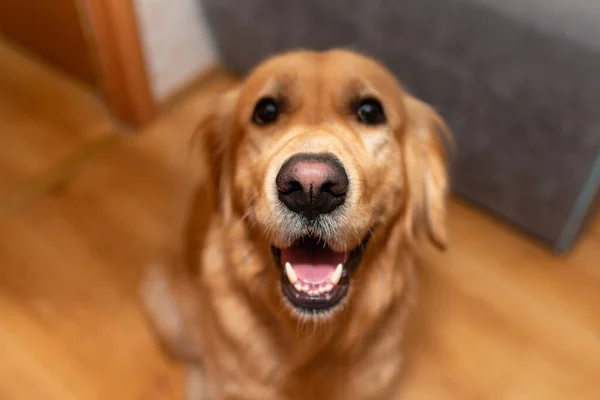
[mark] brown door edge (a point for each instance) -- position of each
(122, 70)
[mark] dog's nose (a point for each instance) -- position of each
(312, 184)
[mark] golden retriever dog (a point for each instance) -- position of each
(296, 268)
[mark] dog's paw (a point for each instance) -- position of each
(165, 314)
(195, 388)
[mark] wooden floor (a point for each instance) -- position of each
(499, 317)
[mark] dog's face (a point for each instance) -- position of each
(317, 152)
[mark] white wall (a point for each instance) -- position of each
(176, 41)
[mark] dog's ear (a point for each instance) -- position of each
(426, 170)
(212, 137)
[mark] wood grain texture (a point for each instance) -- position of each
(43, 118)
(498, 316)
(52, 29)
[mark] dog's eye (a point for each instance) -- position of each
(370, 112)
(266, 111)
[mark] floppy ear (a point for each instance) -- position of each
(426, 171)
(212, 135)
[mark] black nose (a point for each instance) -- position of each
(312, 184)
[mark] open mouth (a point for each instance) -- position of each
(316, 278)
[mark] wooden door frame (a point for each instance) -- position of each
(118, 54)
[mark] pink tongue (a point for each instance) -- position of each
(312, 264)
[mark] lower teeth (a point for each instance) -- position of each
(313, 290)
(321, 288)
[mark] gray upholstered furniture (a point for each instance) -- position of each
(518, 81)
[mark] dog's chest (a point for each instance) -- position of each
(339, 381)
(374, 377)
(303, 387)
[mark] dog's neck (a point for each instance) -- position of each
(247, 299)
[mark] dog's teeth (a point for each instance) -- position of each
(291, 274)
(337, 274)
(298, 286)
(328, 287)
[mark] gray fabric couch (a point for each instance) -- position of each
(517, 80)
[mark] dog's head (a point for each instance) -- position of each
(318, 151)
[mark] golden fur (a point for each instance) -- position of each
(219, 302)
